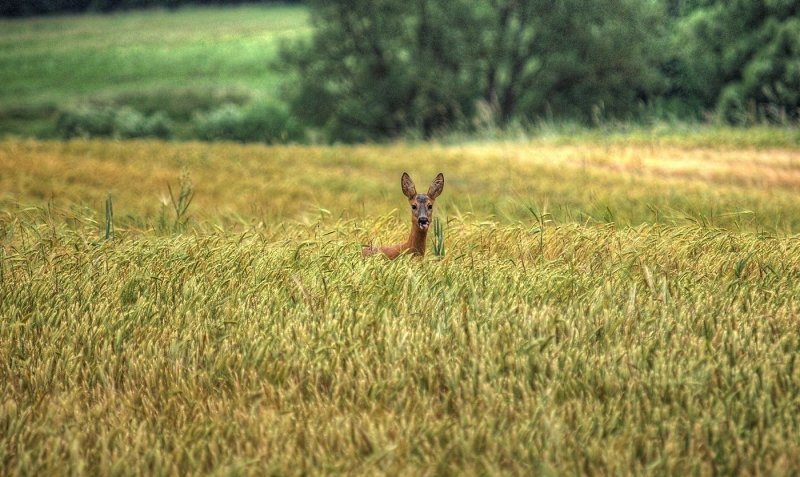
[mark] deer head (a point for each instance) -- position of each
(421, 204)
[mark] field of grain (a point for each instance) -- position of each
(604, 307)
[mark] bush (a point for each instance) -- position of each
(133, 124)
(257, 122)
(731, 107)
(85, 121)
(741, 58)
(221, 123)
(180, 103)
(91, 121)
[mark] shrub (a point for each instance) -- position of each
(94, 121)
(130, 123)
(180, 103)
(270, 123)
(257, 122)
(731, 107)
(221, 123)
(85, 121)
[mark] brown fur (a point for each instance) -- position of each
(424, 208)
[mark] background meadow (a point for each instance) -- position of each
(71, 75)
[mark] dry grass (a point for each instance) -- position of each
(260, 342)
(242, 186)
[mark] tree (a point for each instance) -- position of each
(379, 68)
(741, 57)
(572, 59)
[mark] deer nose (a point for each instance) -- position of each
(423, 220)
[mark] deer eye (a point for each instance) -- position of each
(414, 207)
(430, 206)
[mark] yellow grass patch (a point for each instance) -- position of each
(234, 184)
(259, 340)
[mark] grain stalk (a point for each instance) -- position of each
(438, 238)
(180, 203)
(109, 218)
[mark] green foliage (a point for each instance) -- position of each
(438, 238)
(742, 58)
(378, 68)
(86, 121)
(179, 104)
(109, 218)
(222, 123)
(133, 124)
(257, 122)
(572, 60)
(124, 123)
(179, 63)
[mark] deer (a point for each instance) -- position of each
(421, 218)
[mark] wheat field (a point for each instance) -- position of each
(603, 307)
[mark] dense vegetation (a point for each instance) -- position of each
(382, 69)
(740, 57)
(608, 305)
(376, 69)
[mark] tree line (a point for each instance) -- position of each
(381, 68)
(375, 69)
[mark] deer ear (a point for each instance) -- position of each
(436, 186)
(408, 186)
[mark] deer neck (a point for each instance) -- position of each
(416, 240)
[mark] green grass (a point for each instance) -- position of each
(247, 335)
(177, 61)
(653, 134)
